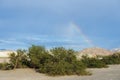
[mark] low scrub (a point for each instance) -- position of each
(59, 61)
(64, 68)
(6, 66)
(112, 59)
(19, 60)
(94, 62)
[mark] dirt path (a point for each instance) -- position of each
(111, 73)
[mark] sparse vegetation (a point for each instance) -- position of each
(6, 66)
(57, 61)
(103, 62)
(112, 59)
(19, 59)
(93, 62)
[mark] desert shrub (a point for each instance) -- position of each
(38, 56)
(93, 62)
(6, 66)
(57, 61)
(19, 59)
(62, 62)
(112, 59)
(60, 53)
(63, 68)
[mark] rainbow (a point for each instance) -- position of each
(79, 31)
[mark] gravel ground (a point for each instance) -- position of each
(111, 73)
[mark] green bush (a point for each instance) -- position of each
(93, 62)
(58, 61)
(6, 66)
(38, 56)
(19, 59)
(64, 68)
(112, 59)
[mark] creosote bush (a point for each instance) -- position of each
(6, 66)
(58, 61)
(93, 62)
(19, 59)
(112, 59)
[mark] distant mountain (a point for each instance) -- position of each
(116, 50)
(93, 52)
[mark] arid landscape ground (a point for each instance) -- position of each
(111, 73)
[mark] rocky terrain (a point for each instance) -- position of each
(116, 50)
(93, 52)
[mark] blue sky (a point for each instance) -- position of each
(73, 24)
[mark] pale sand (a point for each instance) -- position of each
(111, 73)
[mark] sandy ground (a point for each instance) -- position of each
(111, 73)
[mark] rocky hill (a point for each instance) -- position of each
(93, 52)
(115, 50)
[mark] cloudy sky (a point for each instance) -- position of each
(73, 24)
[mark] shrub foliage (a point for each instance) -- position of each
(93, 62)
(112, 59)
(19, 59)
(57, 61)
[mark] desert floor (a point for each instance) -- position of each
(111, 73)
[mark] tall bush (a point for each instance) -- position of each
(63, 62)
(38, 56)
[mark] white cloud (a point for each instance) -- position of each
(47, 38)
(68, 35)
(11, 41)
